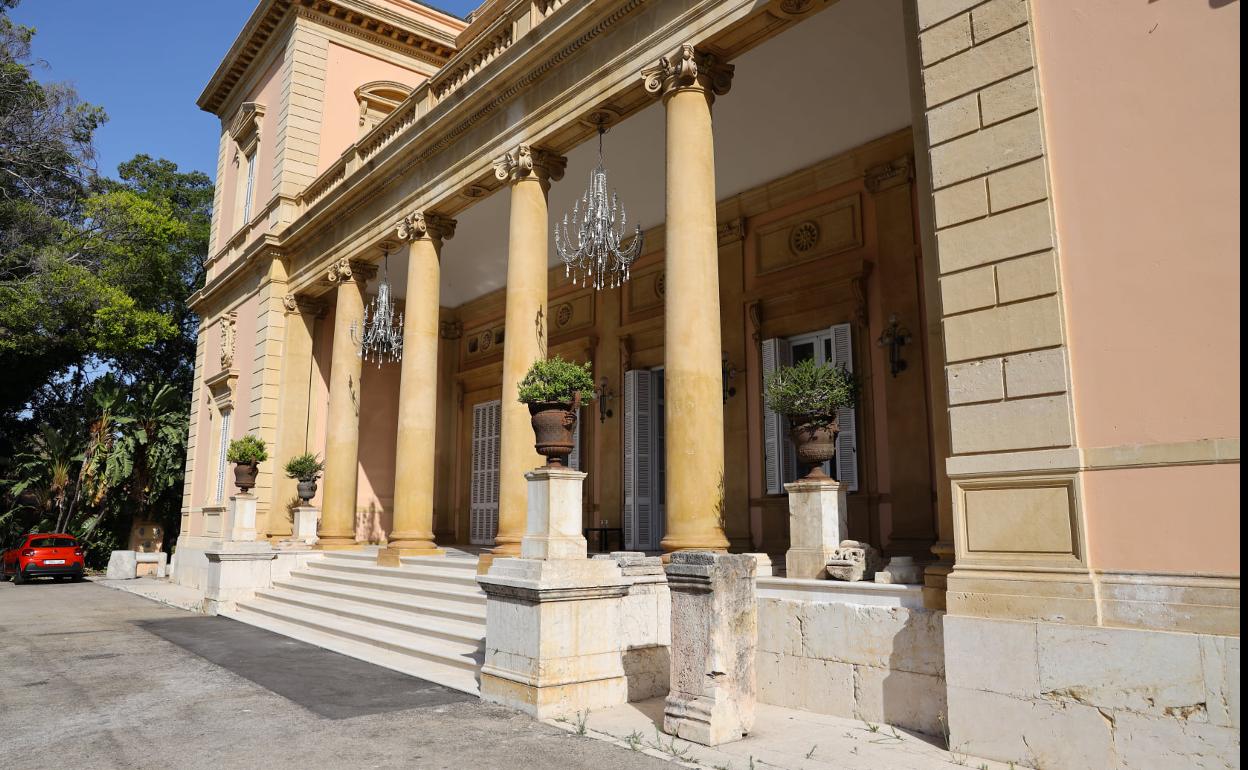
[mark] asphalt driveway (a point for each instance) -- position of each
(96, 678)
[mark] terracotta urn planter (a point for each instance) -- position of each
(554, 425)
(307, 490)
(245, 475)
(816, 445)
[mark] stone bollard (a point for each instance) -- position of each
(818, 522)
(553, 640)
(714, 637)
(122, 565)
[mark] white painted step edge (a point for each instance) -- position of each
(450, 576)
(420, 605)
(436, 628)
(436, 590)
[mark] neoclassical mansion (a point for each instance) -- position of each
(1016, 221)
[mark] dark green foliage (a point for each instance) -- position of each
(248, 449)
(810, 394)
(554, 380)
(304, 467)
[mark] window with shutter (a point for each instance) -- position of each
(639, 530)
(574, 459)
(847, 440)
(224, 448)
(483, 492)
(776, 448)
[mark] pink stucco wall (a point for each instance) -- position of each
(1142, 120)
(346, 71)
(267, 91)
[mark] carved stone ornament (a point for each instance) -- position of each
(854, 561)
(563, 315)
(339, 271)
(451, 330)
(804, 237)
(527, 161)
(228, 322)
(791, 8)
(689, 68)
(420, 224)
(730, 232)
(895, 172)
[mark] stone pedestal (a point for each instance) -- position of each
(714, 637)
(236, 573)
(645, 624)
(240, 518)
(552, 635)
(818, 522)
(553, 528)
(305, 521)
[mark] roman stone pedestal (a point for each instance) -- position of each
(236, 573)
(553, 640)
(240, 518)
(818, 522)
(714, 637)
(306, 518)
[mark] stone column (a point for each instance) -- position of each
(688, 82)
(342, 428)
(414, 452)
(529, 170)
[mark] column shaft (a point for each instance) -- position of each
(693, 385)
(342, 429)
(414, 452)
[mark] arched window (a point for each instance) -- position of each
(377, 100)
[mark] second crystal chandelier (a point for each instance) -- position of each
(382, 338)
(598, 257)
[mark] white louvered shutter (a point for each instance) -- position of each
(483, 497)
(224, 449)
(574, 459)
(776, 455)
(638, 453)
(847, 439)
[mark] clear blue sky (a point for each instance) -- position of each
(145, 62)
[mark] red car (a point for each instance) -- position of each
(43, 555)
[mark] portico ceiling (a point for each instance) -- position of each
(831, 83)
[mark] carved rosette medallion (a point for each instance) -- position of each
(689, 68)
(421, 224)
(528, 162)
(563, 315)
(804, 237)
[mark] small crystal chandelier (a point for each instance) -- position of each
(382, 341)
(598, 256)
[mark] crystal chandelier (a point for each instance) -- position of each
(382, 341)
(598, 256)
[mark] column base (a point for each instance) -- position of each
(507, 550)
(390, 555)
(338, 544)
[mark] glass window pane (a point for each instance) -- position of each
(803, 351)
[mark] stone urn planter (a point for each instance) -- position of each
(245, 476)
(554, 425)
(816, 445)
(306, 490)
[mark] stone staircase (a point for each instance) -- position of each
(425, 618)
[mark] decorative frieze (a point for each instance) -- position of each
(689, 68)
(421, 224)
(228, 334)
(527, 161)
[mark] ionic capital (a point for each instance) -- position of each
(528, 162)
(302, 304)
(422, 224)
(350, 270)
(691, 69)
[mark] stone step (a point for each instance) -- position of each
(464, 563)
(412, 586)
(440, 574)
(422, 605)
(457, 631)
(458, 655)
(402, 660)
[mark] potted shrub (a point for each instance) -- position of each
(809, 395)
(246, 453)
(306, 468)
(554, 390)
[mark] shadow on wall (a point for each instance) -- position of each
(369, 527)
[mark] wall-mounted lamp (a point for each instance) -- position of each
(893, 337)
(729, 374)
(603, 394)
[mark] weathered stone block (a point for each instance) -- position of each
(854, 561)
(1036, 373)
(780, 626)
(932, 12)
(1000, 236)
(554, 519)
(961, 202)
(714, 641)
(122, 565)
(1153, 743)
(994, 655)
(992, 148)
(821, 686)
(975, 381)
(975, 68)
(957, 118)
(1018, 185)
(1220, 662)
(900, 698)
(1001, 330)
(998, 16)
(818, 521)
(900, 569)
(945, 40)
(1027, 277)
(883, 637)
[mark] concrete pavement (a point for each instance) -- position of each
(96, 678)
